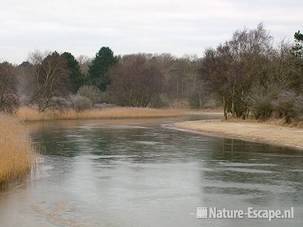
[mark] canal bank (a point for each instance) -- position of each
(249, 131)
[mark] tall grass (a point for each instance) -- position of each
(16, 153)
(30, 114)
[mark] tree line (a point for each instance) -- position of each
(60, 81)
(247, 75)
(255, 78)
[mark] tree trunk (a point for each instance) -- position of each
(225, 108)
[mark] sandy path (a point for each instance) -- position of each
(250, 131)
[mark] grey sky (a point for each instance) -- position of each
(131, 26)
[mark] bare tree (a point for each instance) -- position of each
(234, 65)
(84, 63)
(25, 79)
(51, 78)
(8, 88)
(135, 81)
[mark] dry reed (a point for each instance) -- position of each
(30, 114)
(16, 151)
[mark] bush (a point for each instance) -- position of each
(284, 105)
(159, 101)
(260, 100)
(9, 103)
(261, 105)
(298, 108)
(9, 100)
(59, 103)
(91, 92)
(105, 97)
(81, 103)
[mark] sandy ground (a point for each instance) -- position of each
(250, 131)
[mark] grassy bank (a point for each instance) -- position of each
(16, 151)
(29, 114)
(250, 131)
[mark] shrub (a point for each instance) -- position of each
(261, 105)
(59, 103)
(81, 103)
(298, 107)
(91, 92)
(260, 100)
(9, 103)
(284, 105)
(9, 100)
(159, 101)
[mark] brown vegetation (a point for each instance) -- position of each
(30, 114)
(250, 75)
(51, 76)
(136, 81)
(16, 151)
(8, 91)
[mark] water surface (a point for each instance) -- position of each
(121, 173)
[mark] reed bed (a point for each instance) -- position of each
(31, 114)
(16, 150)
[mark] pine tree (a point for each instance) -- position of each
(75, 76)
(298, 47)
(97, 73)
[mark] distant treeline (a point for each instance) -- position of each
(247, 75)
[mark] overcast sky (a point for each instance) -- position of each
(131, 26)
